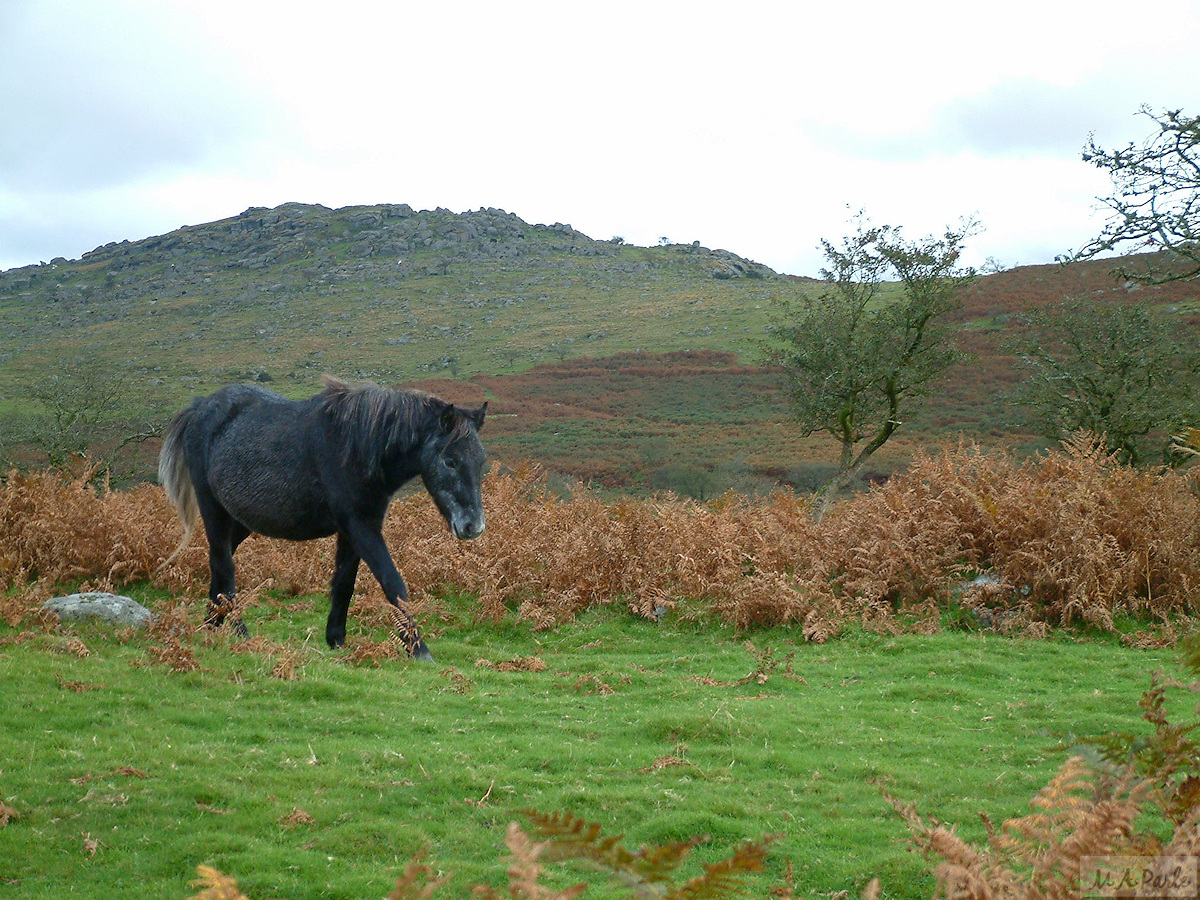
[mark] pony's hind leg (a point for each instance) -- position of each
(221, 585)
(340, 591)
(224, 536)
(239, 533)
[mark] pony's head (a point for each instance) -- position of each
(452, 465)
(392, 435)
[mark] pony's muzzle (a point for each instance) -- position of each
(468, 530)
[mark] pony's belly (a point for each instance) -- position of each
(279, 511)
(292, 530)
(293, 523)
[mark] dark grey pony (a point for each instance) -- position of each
(246, 460)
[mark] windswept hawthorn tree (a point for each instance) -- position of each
(869, 347)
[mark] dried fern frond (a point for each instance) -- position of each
(216, 886)
(418, 881)
(1077, 815)
(725, 878)
(569, 837)
(1186, 840)
(962, 871)
(525, 871)
(650, 871)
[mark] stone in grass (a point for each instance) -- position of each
(119, 611)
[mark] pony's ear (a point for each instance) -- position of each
(449, 418)
(478, 415)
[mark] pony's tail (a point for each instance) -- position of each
(177, 481)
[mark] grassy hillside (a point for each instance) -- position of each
(634, 366)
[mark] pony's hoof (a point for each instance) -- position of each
(421, 652)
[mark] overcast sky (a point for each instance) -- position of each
(756, 127)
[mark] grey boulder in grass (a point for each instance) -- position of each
(115, 609)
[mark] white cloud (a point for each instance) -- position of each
(99, 96)
(751, 127)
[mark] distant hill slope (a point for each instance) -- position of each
(384, 292)
(631, 365)
(1028, 287)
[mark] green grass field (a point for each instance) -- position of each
(126, 775)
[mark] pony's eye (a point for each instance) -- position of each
(450, 462)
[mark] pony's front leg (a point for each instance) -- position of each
(369, 544)
(341, 589)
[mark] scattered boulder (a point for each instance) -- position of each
(119, 611)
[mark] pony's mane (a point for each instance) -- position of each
(368, 420)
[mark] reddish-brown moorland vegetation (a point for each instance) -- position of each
(1069, 537)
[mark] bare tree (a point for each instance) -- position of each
(1155, 203)
(87, 411)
